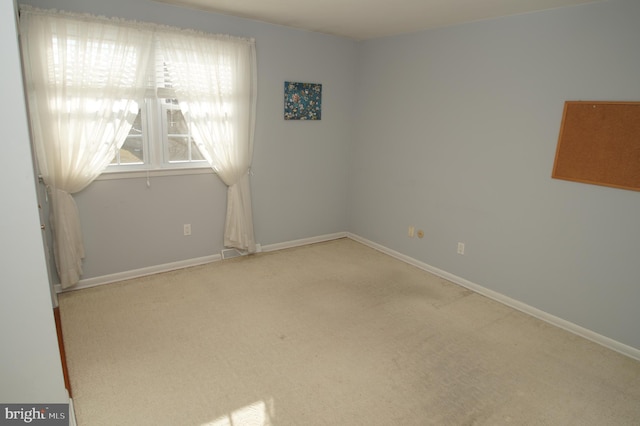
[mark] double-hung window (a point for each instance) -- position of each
(160, 137)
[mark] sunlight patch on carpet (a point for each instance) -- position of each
(257, 414)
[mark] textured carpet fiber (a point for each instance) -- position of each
(334, 333)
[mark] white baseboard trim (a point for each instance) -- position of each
(136, 273)
(166, 267)
(607, 342)
(304, 241)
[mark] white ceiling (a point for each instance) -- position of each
(366, 19)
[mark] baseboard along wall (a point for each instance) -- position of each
(166, 267)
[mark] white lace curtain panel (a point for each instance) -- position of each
(215, 86)
(86, 76)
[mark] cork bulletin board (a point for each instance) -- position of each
(599, 144)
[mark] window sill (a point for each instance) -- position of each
(142, 173)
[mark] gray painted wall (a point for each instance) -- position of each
(30, 368)
(456, 132)
(300, 168)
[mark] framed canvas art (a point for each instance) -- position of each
(302, 101)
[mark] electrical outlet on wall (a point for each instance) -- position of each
(187, 229)
(460, 248)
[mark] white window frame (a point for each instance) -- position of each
(155, 133)
(155, 145)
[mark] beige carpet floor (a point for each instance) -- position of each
(334, 333)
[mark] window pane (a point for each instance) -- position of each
(178, 148)
(195, 152)
(176, 124)
(131, 151)
(136, 128)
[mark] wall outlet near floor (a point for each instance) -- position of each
(460, 248)
(411, 232)
(187, 229)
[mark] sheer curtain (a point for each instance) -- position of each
(84, 77)
(214, 78)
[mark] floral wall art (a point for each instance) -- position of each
(302, 101)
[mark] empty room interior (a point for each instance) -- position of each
(413, 261)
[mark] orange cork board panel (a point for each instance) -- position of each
(599, 144)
